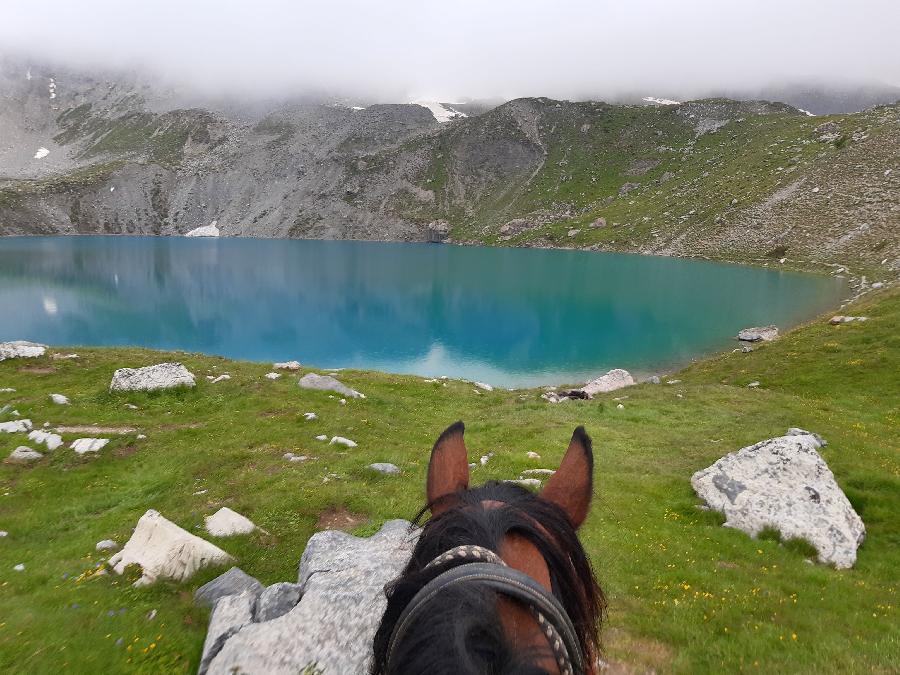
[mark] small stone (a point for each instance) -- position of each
(484, 386)
(754, 384)
(131, 406)
(673, 381)
(310, 416)
(877, 285)
(106, 545)
(287, 365)
(15, 426)
(52, 441)
(277, 600)
(573, 232)
(653, 379)
(343, 401)
(340, 440)
(385, 468)
(321, 437)
(19, 568)
(85, 445)
(3, 533)
(151, 615)
(59, 399)
(120, 642)
(273, 376)
(226, 523)
(538, 472)
(527, 482)
(288, 456)
(220, 378)
(486, 458)
(746, 349)
(533, 455)
(23, 455)
(620, 407)
(199, 493)
(141, 437)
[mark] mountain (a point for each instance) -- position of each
(725, 179)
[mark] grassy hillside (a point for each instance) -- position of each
(686, 595)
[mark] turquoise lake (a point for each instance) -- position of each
(510, 317)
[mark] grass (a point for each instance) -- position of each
(686, 595)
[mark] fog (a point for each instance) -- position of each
(415, 49)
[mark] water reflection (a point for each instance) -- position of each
(509, 316)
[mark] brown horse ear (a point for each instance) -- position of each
(572, 486)
(448, 470)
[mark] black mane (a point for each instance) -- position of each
(463, 633)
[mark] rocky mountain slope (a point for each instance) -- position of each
(717, 178)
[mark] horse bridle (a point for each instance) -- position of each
(485, 568)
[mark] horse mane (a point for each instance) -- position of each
(463, 633)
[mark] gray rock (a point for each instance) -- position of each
(333, 625)
(234, 582)
(106, 545)
(784, 483)
(758, 334)
(327, 383)
(15, 426)
(59, 399)
(653, 379)
(796, 431)
(746, 349)
(386, 468)
(277, 600)
(617, 378)
(23, 455)
(152, 378)
(229, 615)
(21, 349)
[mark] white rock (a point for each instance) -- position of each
(533, 455)
(7, 390)
(321, 437)
(230, 614)
(3, 533)
(343, 401)
(59, 399)
(205, 230)
(226, 523)
(19, 568)
(141, 437)
(220, 378)
(287, 365)
(84, 445)
(151, 378)
(63, 357)
(784, 483)
(106, 545)
(273, 376)
(15, 426)
(620, 407)
(486, 458)
(753, 385)
(22, 455)
(538, 472)
(385, 468)
(166, 551)
(327, 383)
(51, 440)
(21, 349)
(877, 285)
(758, 334)
(614, 379)
(310, 416)
(527, 482)
(483, 385)
(340, 440)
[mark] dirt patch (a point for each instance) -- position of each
(37, 370)
(627, 654)
(125, 451)
(339, 518)
(90, 429)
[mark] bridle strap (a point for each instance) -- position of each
(556, 624)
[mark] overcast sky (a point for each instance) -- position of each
(418, 49)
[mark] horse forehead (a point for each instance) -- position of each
(520, 553)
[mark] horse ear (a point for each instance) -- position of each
(448, 470)
(572, 486)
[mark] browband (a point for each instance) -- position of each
(550, 615)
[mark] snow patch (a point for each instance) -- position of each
(52, 88)
(806, 112)
(41, 153)
(660, 101)
(441, 112)
(28, 75)
(210, 230)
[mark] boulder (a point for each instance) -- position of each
(385, 468)
(273, 376)
(758, 334)
(151, 378)
(220, 378)
(784, 483)
(327, 383)
(85, 445)
(342, 578)
(211, 230)
(15, 426)
(277, 600)
(340, 440)
(22, 455)
(20, 349)
(52, 441)
(229, 615)
(59, 399)
(166, 551)
(233, 582)
(614, 379)
(287, 365)
(227, 523)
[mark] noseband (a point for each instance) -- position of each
(485, 568)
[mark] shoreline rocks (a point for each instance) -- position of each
(617, 378)
(152, 378)
(784, 483)
(758, 334)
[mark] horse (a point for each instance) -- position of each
(498, 581)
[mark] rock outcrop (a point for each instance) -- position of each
(166, 551)
(784, 483)
(233, 582)
(341, 580)
(151, 378)
(21, 349)
(327, 383)
(758, 334)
